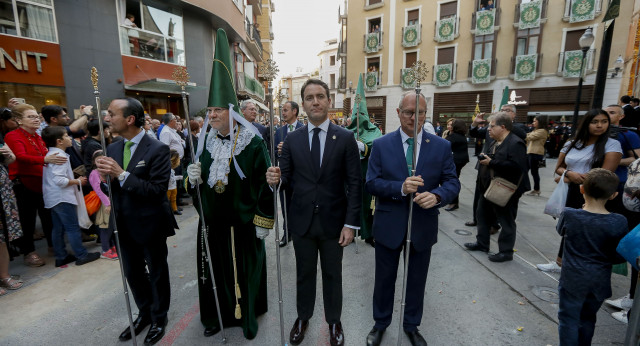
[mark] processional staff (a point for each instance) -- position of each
(279, 97)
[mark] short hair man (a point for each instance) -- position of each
(250, 111)
(169, 136)
(55, 115)
(317, 163)
(390, 180)
(140, 169)
(631, 118)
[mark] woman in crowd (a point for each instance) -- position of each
(26, 175)
(457, 131)
(590, 147)
(10, 222)
(536, 140)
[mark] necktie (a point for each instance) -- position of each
(409, 155)
(290, 127)
(127, 154)
(227, 137)
(315, 148)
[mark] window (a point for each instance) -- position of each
(528, 41)
(332, 81)
(373, 64)
(373, 2)
(446, 55)
(484, 5)
(151, 32)
(333, 100)
(410, 59)
(483, 47)
(413, 17)
(374, 25)
(571, 40)
(449, 9)
(33, 20)
(332, 60)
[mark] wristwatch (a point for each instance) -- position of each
(122, 175)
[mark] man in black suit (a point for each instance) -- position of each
(249, 110)
(140, 169)
(322, 164)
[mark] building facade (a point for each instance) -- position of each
(474, 49)
(329, 71)
(48, 47)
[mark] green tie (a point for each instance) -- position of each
(409, 155)
(127, 154)
(290, 127)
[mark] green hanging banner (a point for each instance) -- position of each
(446, 29)
(530, 13)
(408, 81)
(582, 10)
(485, 22)
(410, 35)
(372, 42)
(525, 67)
(572, 64)
(481, 69)
(613, 11)
(443, 75)
(371, 81)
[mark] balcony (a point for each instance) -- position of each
(145, 44)
(479, 73)
(371, 80)
(496, 20)
(373, 42)
(257, 6)
(444, 74)
(569, 63)
(447, 29)
(253, 41)
(248, 85)
(582, 10)
(525, 67)
(533, 15)
(411, 35)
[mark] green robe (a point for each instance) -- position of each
(243, 205)
(366, 213)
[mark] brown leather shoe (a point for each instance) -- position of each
(297, 332)
(336, 336)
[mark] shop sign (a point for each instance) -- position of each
(519, 97)
(27, 61)
(21, 61)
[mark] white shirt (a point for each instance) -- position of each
(322, 135)
(55, 182)
(429, 128)
(294, 124)
(171, 138)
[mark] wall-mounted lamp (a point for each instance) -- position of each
(350, 87)
(617, 65)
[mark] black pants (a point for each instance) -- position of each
(459, 167)
(306, 249)
(534, 164)
(488, 214)
(31, 203)
(285, 198)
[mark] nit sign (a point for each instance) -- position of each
(21, 62)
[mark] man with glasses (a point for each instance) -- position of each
(390, 180)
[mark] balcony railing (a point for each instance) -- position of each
(254, 36)
(496, 22)
(249, 85)
(373, 42)
(569, 71)
(568, 4)
(411, 35)
(492, 73)
(543, 13)
(447, 29)
(149, 45)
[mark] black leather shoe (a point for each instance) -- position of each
(177, 212)
(297, 332)
(471, 223)
(501, 257)
(90, 257)
(416, 338)
(494, 229)
(285, 240)
(475, 247)
(336, 335)
(66, 260)
(375, 337)
(452, 207)
(371, 242)
(156, 332)
(211, 331)
(139, 324)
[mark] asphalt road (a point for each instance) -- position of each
(468, 300)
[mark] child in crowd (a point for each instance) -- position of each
(102, 215)
(58, 186)
(591, 237)
(172, 192)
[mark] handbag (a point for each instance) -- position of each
(629, 247)
(558, 200)
(81, 210)
(500, 190)
(92, 202)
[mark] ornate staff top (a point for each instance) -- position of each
(269, 70)
(280, 96)
(357, 99)
(94, 78)
(181, 76)
(419, 71)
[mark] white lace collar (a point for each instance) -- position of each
(221, 153)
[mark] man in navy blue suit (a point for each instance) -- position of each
(249, 110)
(389, 179)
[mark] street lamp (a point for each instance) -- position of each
(617, 65)
(585, 42)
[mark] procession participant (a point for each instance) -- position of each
(319, 163)
(389, 180)
(140, 169)
(365, 133)
(237, 205)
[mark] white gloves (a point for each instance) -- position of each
(261, 233)
(195, 173)
(360, 146)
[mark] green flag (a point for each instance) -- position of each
(222, 90)
(613, 11)
(359, 115)
(505, 97)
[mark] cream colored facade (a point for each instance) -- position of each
(555, 28)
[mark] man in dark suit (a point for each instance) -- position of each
(249, 110)
(290, 112)
(321, 163)
(389, 179)
(140, 169)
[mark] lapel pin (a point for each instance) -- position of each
(427, 140)
(334, 136)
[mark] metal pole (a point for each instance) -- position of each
(96, 93)
(285, 222)
(355, 239)
(603, 64)
(579, 96)
(181, 77)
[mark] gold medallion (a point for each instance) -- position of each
(219, 188)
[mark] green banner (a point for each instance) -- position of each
(525, 67)
(481, 71)
(443, 75)
(372, 42)
(485, 22)
(446, 29)
(613, 11)
(530, 13)
(408, 81)
(411, 36)
(582, 10)
(371, 81)
(572, 64)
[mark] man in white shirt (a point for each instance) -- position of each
(169, 136)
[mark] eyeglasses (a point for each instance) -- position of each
(506, 110)
(410, 114)
(216, 110)
(32, 117)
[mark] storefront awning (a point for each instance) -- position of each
(261, 105)
(160, 85)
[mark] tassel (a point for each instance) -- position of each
(235, 274)
(238, 291)
(372, 206)
(238, 313)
